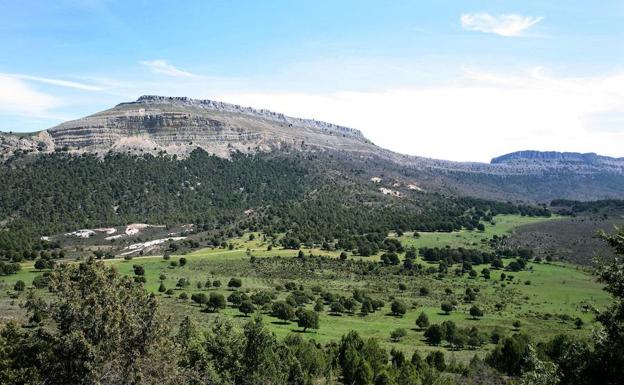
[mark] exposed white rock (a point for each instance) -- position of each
(387, 191)
(85, 233)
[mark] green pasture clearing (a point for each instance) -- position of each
(503, 224)
(555, 296)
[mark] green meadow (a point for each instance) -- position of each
(545, 298)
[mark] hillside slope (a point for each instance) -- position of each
(177, 126)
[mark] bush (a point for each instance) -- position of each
(308, 319)
(422, 321)
(398, 334)
(246, 307)
(19, 286)
(235, 283)
(216, 301)
(283, 311)
(436, 360)
(434, 334)
(41, 281)
(398, 308)
(475, 312)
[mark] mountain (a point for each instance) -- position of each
(159, 125)
(178, 125)
(528, 156)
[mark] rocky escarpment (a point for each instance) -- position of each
(554, 156)
(178, 125)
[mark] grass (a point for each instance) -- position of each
(547, 306)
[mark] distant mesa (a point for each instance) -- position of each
(529, 155)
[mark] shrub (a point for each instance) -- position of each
(216, 301)
(434, 334)
(308, 319)
(422, 321)
(19, 286)
(398, 334)
(246, 307)
(283, 311)
(398, 308)
(475, 312)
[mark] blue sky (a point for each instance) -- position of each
(461, 80)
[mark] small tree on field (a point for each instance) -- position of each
(182, 262)
(283, 311)
(199, 298)
(398, 308)
(246, 307)
(216, 283)
(475, 312)
(235, 283)
(367, 307)
(422, 321)
(40, 264)
(308, 319)
(336, 307)
(446, 307)
(434, 334)
(19, 286)
(162, 288)
(216, 301)
(397, 334)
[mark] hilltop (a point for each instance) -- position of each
(177, 126)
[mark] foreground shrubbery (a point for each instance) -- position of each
(103, 328)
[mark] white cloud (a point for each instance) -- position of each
(164, 68)
(479, 116)
(508, 25)
(56, 82)
(18, 98)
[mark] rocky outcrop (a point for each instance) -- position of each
(176, 125)
(554, 156)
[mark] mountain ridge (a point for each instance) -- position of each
(177, 126)
(533, 155)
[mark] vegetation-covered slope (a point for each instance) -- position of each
(312, 197)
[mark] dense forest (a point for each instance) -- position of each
(313, 198)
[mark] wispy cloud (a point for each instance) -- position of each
(18, 98)
(508, 25)
(164, 68)
(55, 82)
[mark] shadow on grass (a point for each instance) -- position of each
(280, 322)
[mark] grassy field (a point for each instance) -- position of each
(545, 298)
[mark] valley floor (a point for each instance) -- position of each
(545, 298)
